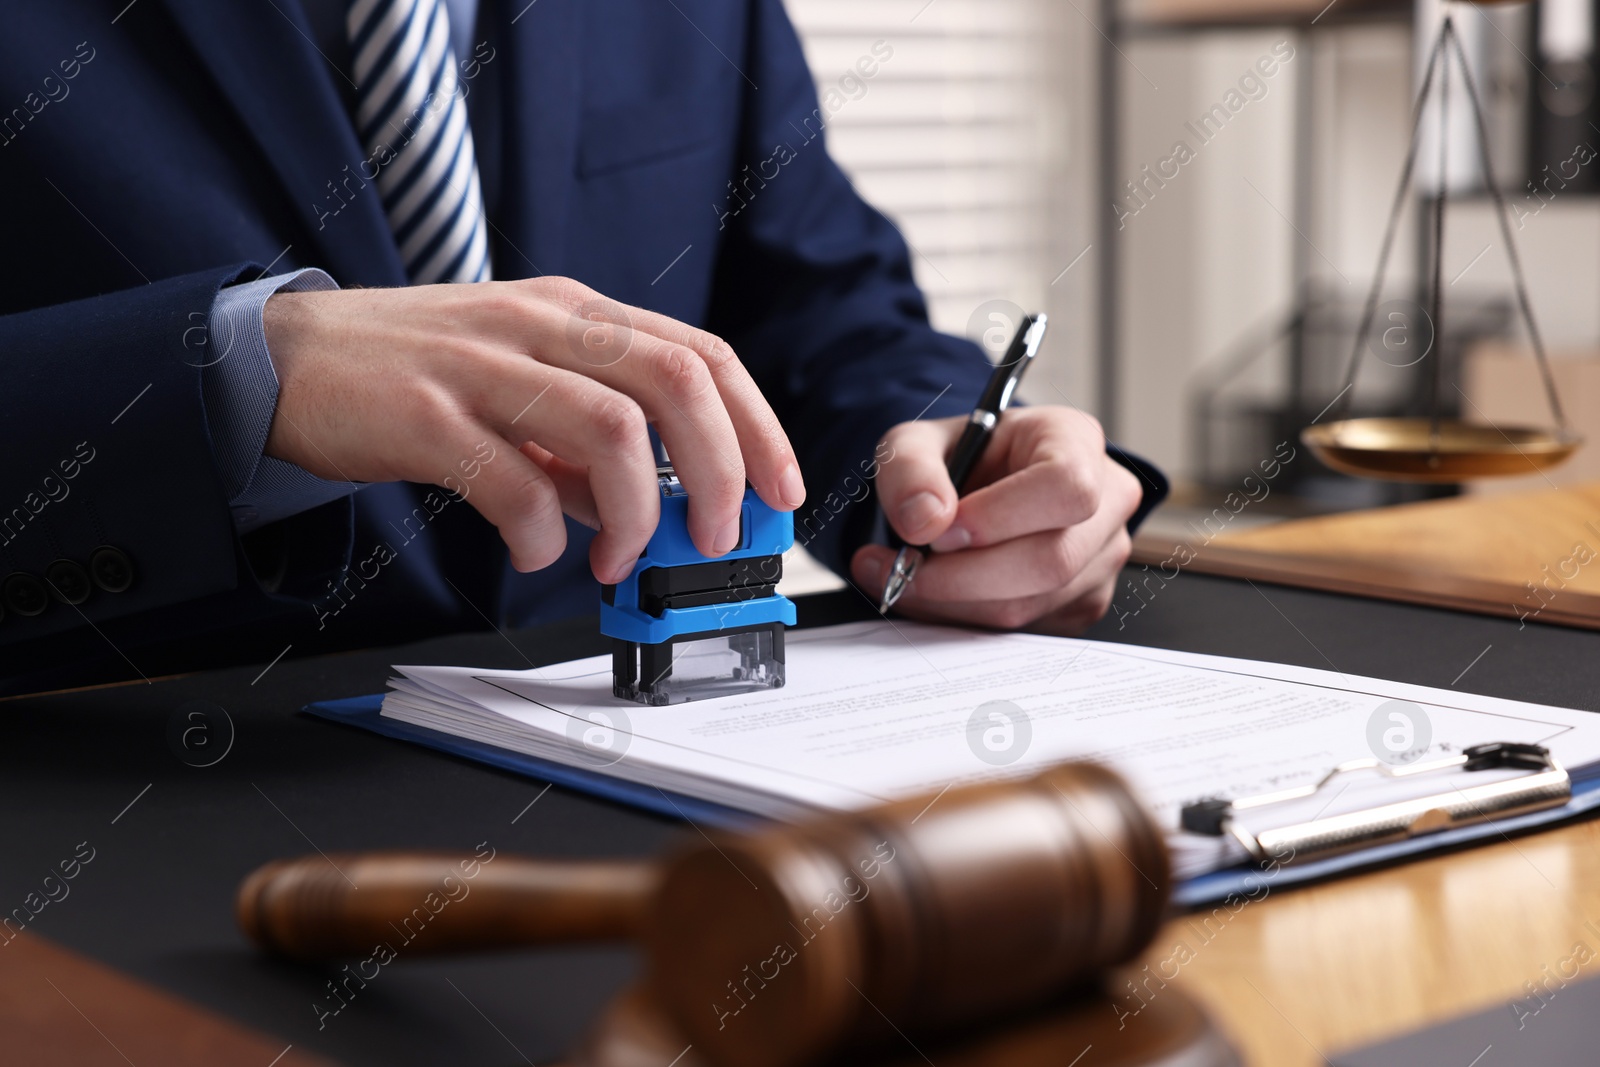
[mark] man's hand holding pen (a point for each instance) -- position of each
(1037, 540)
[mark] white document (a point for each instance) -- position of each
(882, 710)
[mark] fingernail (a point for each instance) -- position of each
(792, 487)
(918, 512)
(952, 540)
(727, 538)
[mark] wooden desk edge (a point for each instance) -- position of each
(58, 1007)
(1360, 578)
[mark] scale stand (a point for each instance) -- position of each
(1436, 449)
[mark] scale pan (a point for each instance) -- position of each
(1404, 450)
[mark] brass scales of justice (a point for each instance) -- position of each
(1434, 448)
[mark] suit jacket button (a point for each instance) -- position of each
(24, 593)
(68, 581)
(111, 568)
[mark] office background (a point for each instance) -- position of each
(981, 137)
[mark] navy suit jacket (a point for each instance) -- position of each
(198, 143)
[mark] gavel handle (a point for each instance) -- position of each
(326, 907)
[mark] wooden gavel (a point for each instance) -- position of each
(778, 947)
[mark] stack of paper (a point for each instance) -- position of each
(883, 710)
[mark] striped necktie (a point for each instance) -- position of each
(412, 119)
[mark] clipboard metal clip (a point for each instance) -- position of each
(1547, 785)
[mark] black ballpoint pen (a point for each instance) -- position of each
(974, 439)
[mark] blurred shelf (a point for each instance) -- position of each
(1142, 17)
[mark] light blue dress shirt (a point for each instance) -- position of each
(239, 382)
(240, 387)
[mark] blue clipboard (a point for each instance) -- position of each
(1234, 884)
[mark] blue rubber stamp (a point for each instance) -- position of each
(684, 627)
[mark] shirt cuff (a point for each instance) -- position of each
(1151, 479)
(240, 387)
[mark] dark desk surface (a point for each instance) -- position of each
(156, 900)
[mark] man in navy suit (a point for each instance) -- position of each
(244, 411)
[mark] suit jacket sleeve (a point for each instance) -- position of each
(107, 446)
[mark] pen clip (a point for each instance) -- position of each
(1035, 335)
(1008, 372)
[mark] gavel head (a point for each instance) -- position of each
(774, 949)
